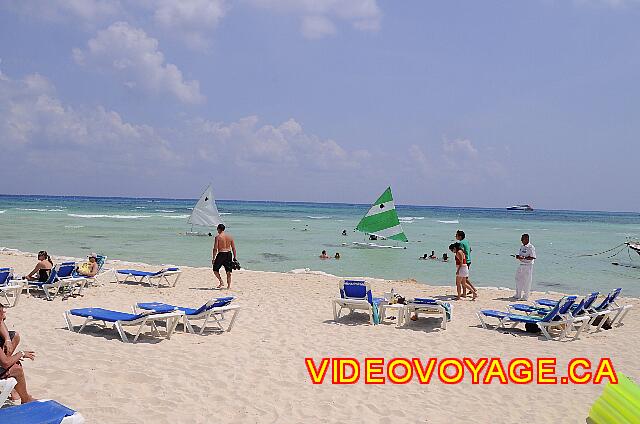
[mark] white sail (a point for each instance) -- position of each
(205, 212)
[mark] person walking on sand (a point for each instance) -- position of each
(223, 246)
(464, 243)
(462, 272)
(524, 274)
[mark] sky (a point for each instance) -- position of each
(463, 103)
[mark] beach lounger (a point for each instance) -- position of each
(427, 306)
(554, 319)
(6, 386)
(356, 295)
(10, 290)
(217, 306)
(60, 278)
(148, 277)
(122, 319)
(40, 412)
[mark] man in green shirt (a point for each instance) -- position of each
(464, 243)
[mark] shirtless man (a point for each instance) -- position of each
(223, 245)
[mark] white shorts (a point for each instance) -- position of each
(463, 271)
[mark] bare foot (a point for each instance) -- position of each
(475, 295)
(456, 298)
(414, 318)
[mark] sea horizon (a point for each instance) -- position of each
(194, 199)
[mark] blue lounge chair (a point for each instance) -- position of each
(356, 295)
(10, 290)
(60, 277)
(553, 319)
(428, 306)
(121, 319)
(149, 277)
(40, 412)
(576, 309)
(216, 306)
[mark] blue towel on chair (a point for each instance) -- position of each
(48, 412)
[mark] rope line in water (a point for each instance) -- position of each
(606, 251)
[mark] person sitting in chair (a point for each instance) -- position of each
(10, 360)
(43, 268)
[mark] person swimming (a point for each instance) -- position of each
(445, 258)
(337, 256)
(324, 255)
(432, 255)
(344, 232)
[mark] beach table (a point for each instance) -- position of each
(398, 307)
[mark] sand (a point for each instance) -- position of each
(256, 372)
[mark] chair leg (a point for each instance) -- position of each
(335, 312)
(123, 336)
(67, 318)
(233, 319)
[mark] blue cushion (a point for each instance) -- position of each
(49, 412)
(164, 307)
(104, 314)
(493, 313)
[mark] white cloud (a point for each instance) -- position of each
(134, 57)
(269, 148)
(457, 160)
(37, 127)
(314, 27)
(87, 12)
(318, 16)
(192, 20)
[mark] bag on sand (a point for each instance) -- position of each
(531, 327)
(606, 325)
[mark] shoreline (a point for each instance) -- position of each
(298, 271)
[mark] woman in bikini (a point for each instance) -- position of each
(43, 268)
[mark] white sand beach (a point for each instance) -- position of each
(256, 373)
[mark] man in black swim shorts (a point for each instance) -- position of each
(223, 246)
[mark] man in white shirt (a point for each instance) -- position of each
(524, 275)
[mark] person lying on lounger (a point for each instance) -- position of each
(10, 360)
(89, 269)
(43, 268)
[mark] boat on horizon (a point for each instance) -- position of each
(381, 222)
(525, 208)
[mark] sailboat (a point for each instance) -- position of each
(205, 213)
(381, 222)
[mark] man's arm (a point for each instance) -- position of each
(233, 248)
(214, 252)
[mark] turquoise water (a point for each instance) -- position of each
(276, 236)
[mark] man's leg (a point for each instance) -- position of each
(528, 283)
(228, 279)
(217, 274)
(518, 284)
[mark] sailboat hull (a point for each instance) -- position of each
(376, 246)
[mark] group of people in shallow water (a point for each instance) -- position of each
(324, 255)
(445, 257)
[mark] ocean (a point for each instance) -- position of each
(282, 236)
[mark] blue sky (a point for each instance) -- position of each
(465, 103)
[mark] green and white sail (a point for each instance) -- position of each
(382, 219)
